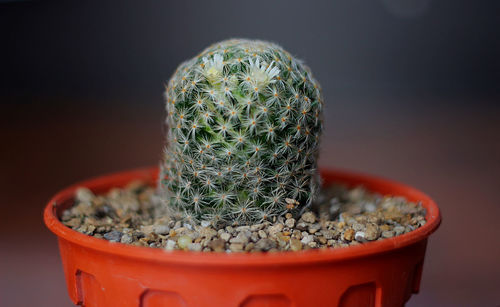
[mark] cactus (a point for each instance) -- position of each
(243, 121)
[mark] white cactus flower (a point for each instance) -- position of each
(213, 67)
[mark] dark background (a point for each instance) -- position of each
(412, 91)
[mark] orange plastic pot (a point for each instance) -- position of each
(379, 273)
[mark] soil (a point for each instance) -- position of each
(341, 217)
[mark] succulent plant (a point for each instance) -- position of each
(243, 127)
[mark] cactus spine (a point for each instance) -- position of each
(244, 121)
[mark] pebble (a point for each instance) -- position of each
(170, 245)
(295, 245)
(322, 240)
(290, 222)
(184, 241)
(249, 247)
(358, 226)
(309, 217)
(147, 229)
(114, 236)
(329, 234)
(371, 232)
(207, 232)
(349, 234)
(242, 228)
(240, 238)
(236, 247)
(255, 237)
(314, 228)
(262, 234)
(302, 226)
(307, 238)
(161, 229)
(195, 247)
(217, 245)
(225, 236)
(275, 229)
(387, 234)
(126, 238)
(399, 230)
(360, 236)
(312, 244)
(265, 244)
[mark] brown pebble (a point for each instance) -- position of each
(371, 232)
(262, 234)
(74, 222)
(249, 247)
(295, 245)
(314, 228)
(265, 244)
(349, 234)
(385, 227)
(275, 229)
(309, 217)
(236, 247)
(322, 240)
(387, 234)
(217, 245)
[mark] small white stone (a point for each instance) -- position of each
(161, 229)
(399, 230)
(307, 238)
(195, 247)
(170, 245)
(184, 241)
(360, 236)
(126, 238)
(312, 244)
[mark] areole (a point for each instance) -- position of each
(380, 273)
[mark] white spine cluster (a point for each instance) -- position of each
(244, 121)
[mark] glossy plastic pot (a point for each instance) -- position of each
(379, 273)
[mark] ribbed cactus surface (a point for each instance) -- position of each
(244, 121)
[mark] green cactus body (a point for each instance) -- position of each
(244, 121)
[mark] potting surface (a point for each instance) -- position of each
(341, 217)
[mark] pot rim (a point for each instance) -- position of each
(102, 183)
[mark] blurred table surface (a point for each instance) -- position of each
(449, 150)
